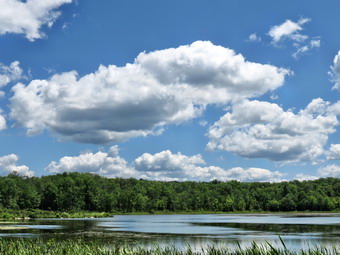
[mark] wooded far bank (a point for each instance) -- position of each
(87, 192)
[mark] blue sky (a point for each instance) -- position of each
(170, 90)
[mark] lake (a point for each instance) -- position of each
(297, 230)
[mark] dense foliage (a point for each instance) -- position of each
(83, 191)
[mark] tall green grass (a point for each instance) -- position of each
(36, 213)
(80, 247)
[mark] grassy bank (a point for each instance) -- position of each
(68, 247)
(233, 212)
(36, 213)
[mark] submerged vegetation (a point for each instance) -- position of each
(64, 195)
(71, 247)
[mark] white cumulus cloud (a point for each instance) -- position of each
(290, 32)
(330, 171)
(10, 73)
(257, 129)
(167, 166)
(8, 164)
(27, 17)
(301, 50)
(315, 43)
(305, 177)
(252, 174)
(117, 103)
(289, 29)
(163, 166)
(334, 152)
(335, 73)
(254, 38)
(3, 124)
(108, 164)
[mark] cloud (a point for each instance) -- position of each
(27, 17)
(334, 152)
(3, 124)
(8, 165)
(118, 103)
(163, 166)
(302, 50)
(291, 31)
(205, 67)
(330, 171)
(335, 73)
(303, 177)
(10, 73)
(108, 164)
(167, 166)
(253, 174)
(288, 30)
(257, 129)
(203, 123)
(274, 97)
(315, 43)
(254, 38)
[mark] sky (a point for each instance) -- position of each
(171, 90)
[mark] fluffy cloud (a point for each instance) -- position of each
(315, 43)
(8, 165)
(205, 67)
(252, 174)
(3, 124)
(108, 164)
(254, 38)
(303, 177)
(330, 171)
(27, 17)
(10, 73)
(334, 152)
(304, 49)
(335, 73)
(256, 129)
(160, 88)
(289, 29)
(164, 166)
(323, 172)
(168, 166)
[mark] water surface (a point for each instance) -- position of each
(195, 230)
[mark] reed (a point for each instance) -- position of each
(80, 247)
(7, 214)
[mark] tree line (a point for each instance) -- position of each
(83, 191)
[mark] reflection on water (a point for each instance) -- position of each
(279, 228)
(180, 230)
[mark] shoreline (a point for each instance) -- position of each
(40, 214)
(293, 213)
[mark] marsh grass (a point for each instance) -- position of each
(13, 227)
(80, 247)
(7, 214)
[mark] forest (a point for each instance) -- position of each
(88, 192)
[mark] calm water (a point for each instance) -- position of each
(181, 230)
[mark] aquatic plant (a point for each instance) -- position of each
(79, 247)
